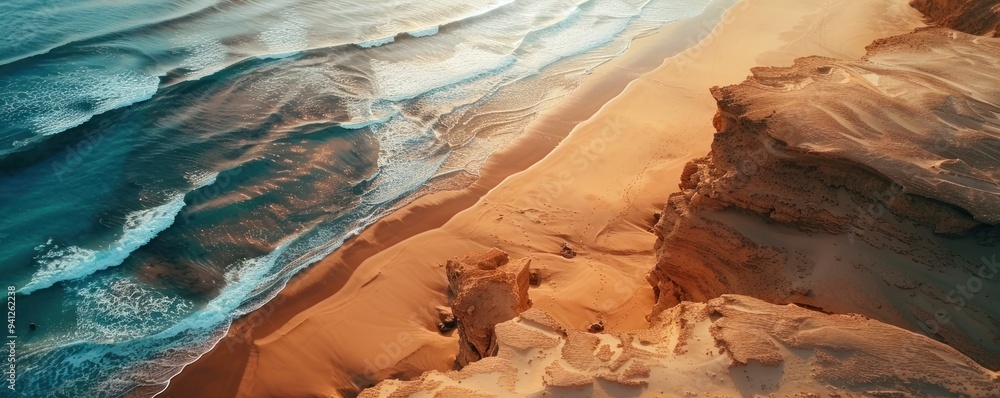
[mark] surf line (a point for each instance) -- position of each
(10, 370)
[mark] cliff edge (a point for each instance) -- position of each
(866, 187)
(978, 17)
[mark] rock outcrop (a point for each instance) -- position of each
(729, 346)
(978, 17)
(866, 186)
(488, 289)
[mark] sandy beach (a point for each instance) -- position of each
(590, 173)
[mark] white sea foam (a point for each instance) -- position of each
(579, 33)
(119, 308)
(68, 263)
(244, 281)
(365, 112)
(50, 107)
(204, 53)
(408, 156)
(130, 334)
(249, 284)
(616, 8)
(407, 79)
(286, 37)
(201, 178)
(366, 123)
(668, 11)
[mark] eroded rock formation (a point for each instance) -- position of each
(729, 346)
(978, 17)
(866, 186)
(488, 289)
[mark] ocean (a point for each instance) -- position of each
(167, 166)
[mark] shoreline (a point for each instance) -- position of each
(433, 210)
(570, 193)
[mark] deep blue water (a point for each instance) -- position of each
(166, 166)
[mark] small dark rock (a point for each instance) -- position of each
(448, 324)
(533, 278)
(596, 327)
(567, 251)
(32, 326)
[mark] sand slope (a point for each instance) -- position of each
(729, 346)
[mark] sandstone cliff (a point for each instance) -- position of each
(978, 17)
(488, 289)
(866, 186)
(730, 346)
